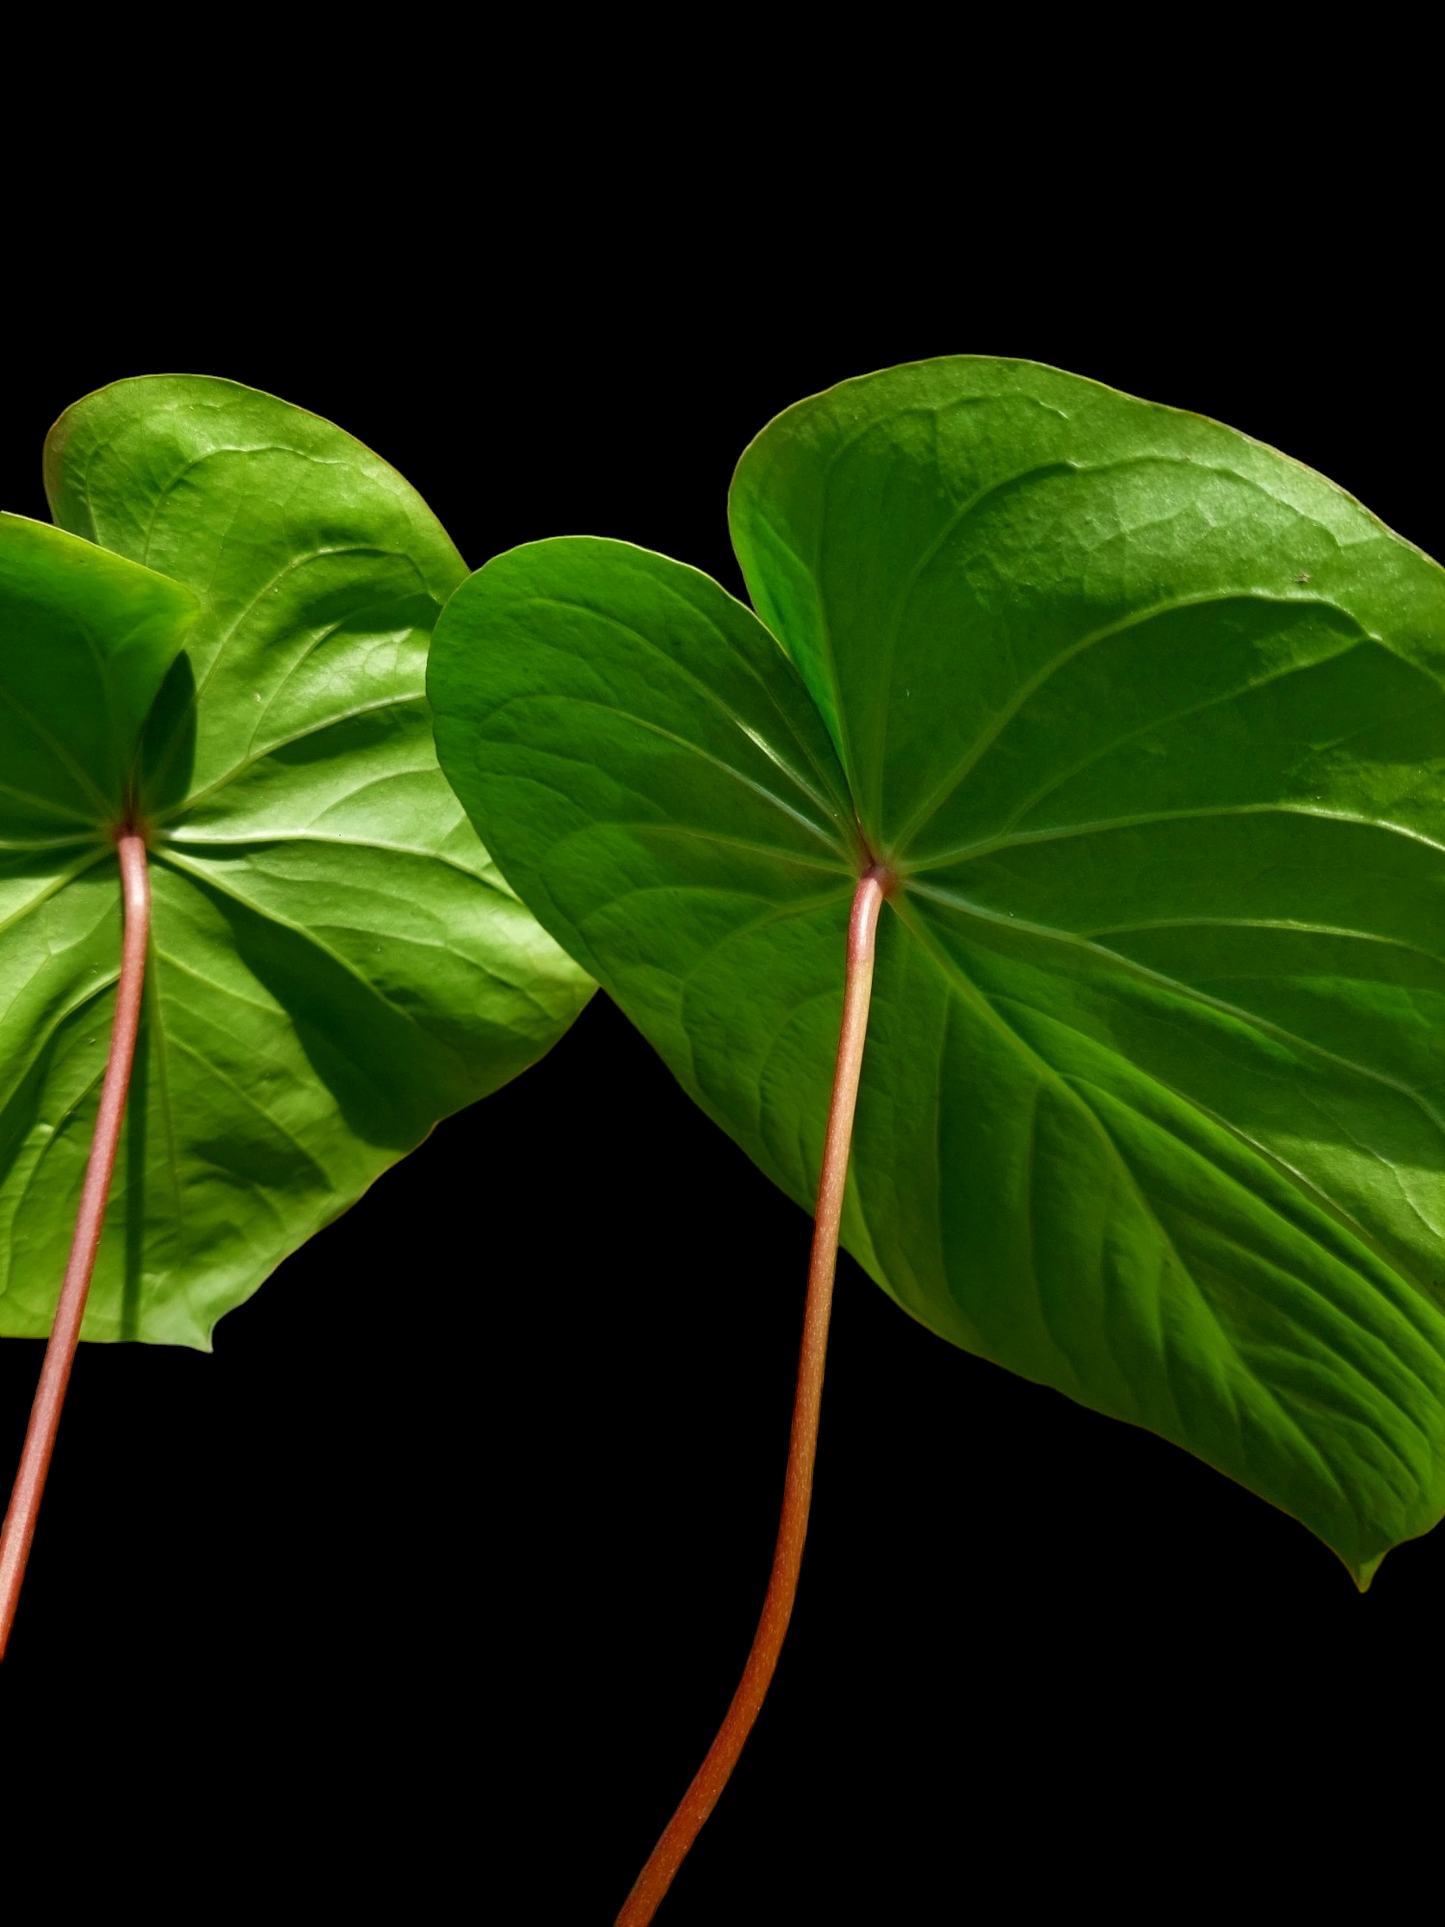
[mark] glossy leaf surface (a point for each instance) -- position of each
(1149, 720)
(335, 962)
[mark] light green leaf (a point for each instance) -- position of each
(1150, 722)
(335, 961)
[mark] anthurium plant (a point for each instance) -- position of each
(251, 950)
(1102, 748)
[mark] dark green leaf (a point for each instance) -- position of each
(89, 638)
(1150, 722)
(335, 961)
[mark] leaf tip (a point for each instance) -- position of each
(1364, 1573)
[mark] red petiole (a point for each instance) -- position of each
(19, 1527)
(712, 1776)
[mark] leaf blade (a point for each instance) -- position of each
(336, 962)
(1149, 720)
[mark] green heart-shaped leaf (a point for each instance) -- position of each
(335, 962)
(1149, 722)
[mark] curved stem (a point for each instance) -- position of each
(712, 1776)
(19, 1528)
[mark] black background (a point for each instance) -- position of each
(437, 1576)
